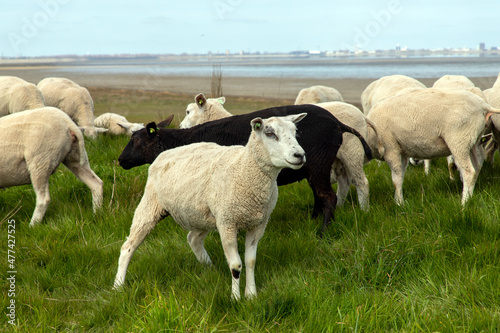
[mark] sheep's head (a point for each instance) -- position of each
(277, 135)
(92, 131)
(199, 111)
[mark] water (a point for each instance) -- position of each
(321, 68)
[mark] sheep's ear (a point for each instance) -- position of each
(221, 100)
(257, 124)
(297, 117)
(124, 126)
(152, 129)
(166, 122)
(200, 100)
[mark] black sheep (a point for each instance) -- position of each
(319, 134)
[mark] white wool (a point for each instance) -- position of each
(117, 124)
(431, 123)
(204, 187)
(33, 144)
(204, 109)
(18, 95)
(73, 99)
(318, 94)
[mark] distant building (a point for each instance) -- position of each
(482, 46)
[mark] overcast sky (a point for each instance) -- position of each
(81, 27)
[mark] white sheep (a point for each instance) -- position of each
(493, 98)
(203, 110)
(431, 123)
(387, 86)
(73, 99)
(117, 124)
(348, 165)
(318, 94)
(204, 187)
(33, 144)
(18, 95)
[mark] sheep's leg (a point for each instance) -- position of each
(451, 166)
(146, 216)
(468, 171)
(325, 198)
(398, 164)
(427, 167)
(195, 239)
(340, 176)
(252, 239)
(89, 178)
(230, 246)
(41, 187)
(354, 170)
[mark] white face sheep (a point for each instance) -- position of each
(203, 110)
(432, 123)
(33, 144)
(117, 124)
(318, 94)
(18, 95)
(204, 186)
(73, 99)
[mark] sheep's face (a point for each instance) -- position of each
(91, 131)
(278, 137)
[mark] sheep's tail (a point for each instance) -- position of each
(368, 151)
(380, 146)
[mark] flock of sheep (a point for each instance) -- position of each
(239, 161)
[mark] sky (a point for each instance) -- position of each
(95, 27)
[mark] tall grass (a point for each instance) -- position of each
(428, 266)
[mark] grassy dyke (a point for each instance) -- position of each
(429, 266)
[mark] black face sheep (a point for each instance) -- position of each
(33, 144)
(204, 187)
(320, 134)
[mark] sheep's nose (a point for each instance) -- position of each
(300, 156)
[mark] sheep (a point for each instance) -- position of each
(493, 98)
(320, 134)
(73, 99)
(431, 123)
(18, 95)
(117, 124)
(203, 110)
(348, 165)
(318, 94)
(385, 87)
(204, 187)
(33, 144)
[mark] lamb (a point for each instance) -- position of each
(386, 87)
(348, 165)
(320, 134)
(432, 123)
(203, 110)
(204, 187)
(318, 94)
(117, 124)
(18, 95)
(33, 144)
(73, 99)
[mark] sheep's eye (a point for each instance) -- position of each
(187, 112)
(271, 135)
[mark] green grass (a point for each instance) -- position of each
(429, 266)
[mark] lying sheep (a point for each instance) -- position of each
(204, 187)
(33, 144)
(386, 87)
(320, 134)
(348, 165)
(203, 110)
(431, 123)
(73, 99)
(18, 95)
(318, 94)
(117, 124)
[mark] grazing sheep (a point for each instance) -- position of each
(33, 144)
(203, 110)
(73, 99)
(18, 95)
(320, 134)
(431, 123)
(385, 87)
(117, 124)
(493, 98)
(348, 165)
(318, 94)
(204, 187)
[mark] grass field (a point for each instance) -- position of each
(428, 266)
